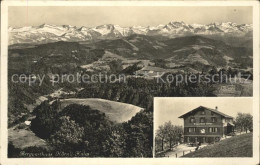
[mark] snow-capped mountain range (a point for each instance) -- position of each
(51, 33)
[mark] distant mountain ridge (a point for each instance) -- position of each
(182, 54)
(52, 33)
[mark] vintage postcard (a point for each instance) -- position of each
(159, 82)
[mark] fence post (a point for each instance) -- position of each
(183, 153)
(176, 155)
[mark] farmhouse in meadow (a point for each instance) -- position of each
(153, 72)
(206, 125)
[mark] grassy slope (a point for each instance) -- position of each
(237, 146)
(116, 111)
(21, 139)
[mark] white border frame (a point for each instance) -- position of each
(68, 161)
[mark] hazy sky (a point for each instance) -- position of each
(125, 16)
(166, 109)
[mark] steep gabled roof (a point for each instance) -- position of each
(206, 108)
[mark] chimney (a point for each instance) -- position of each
(216, 108)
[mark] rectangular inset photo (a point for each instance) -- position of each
(203, 127)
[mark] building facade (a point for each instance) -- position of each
(206, 125)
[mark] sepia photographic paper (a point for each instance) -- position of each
(144, 82)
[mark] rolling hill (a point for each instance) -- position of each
(51, 58)
(116, 111)
(21, 138)
(237, 146)
(196, 52)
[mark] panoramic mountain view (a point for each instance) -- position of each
(52, 33)
(87, 91)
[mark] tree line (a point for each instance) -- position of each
(167, 135)
(78, 128)
(244, 122)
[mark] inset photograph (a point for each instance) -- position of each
(203, 127)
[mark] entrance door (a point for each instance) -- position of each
(229, 129)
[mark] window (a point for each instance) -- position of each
(192, 120)
(212, 113)
(213, 120)
(191, 129)
(202, 119)
(203, 112)
(213, 129)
